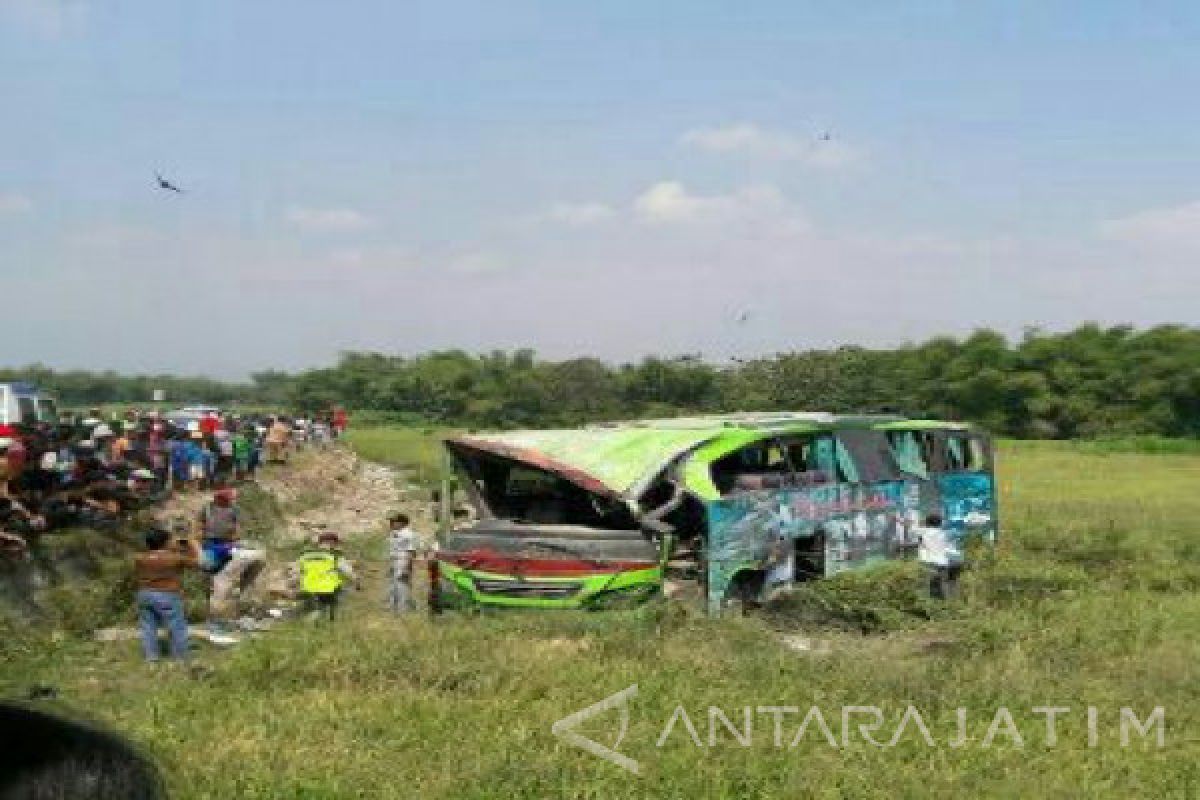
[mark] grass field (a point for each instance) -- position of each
(1090, 600)
(416, 450)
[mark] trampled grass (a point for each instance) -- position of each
(1090, 600)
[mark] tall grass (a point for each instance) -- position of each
(1089, 600)
(417, 451)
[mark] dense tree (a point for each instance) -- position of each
(1087, 382)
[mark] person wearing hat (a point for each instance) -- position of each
(323, 573)
(89, 422)
(218, 525)
(141, 485)
(104, 438)
(158, 572)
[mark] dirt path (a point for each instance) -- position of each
(328, 489)
(331, 489)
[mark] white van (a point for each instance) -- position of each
(23, 404)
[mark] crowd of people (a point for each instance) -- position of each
(93, 470)
(321, 575)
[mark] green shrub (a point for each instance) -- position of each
(890, 596)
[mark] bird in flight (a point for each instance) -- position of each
(163, 183)
(825, 136)
(743, 318)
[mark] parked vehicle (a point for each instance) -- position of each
(189, 418)
(590, 518)
(23, 408)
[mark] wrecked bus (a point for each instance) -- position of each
(741, 503)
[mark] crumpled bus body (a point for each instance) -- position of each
(591, 518)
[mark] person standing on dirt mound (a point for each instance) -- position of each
(279, 435)
(232, 564)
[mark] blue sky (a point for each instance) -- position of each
(612, 178)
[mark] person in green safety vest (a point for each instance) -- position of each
(324, 573)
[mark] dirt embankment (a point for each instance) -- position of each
(331, 489)
(323, 489)
(79, 579)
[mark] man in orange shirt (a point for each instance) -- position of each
(279, 435)
(123, 444)
(158, 573)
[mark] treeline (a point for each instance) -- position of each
(1092, 381)
(83, 388)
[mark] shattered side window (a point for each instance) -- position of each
(847, 469)
(964, 454)
(872, 454)
(910, 455)
(825, 452)
(796, 460)
(979, 453)
(820, 458)
(754, 466)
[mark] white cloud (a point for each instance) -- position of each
(581, 214)
(329, 220)
(671, 203)
(13, 203)
(752, 141)
(1176, 226)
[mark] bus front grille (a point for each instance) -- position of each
(545, 590)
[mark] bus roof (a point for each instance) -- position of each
(614, 458)
(923, 425)
(622, 457)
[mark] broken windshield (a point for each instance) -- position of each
(507, 488)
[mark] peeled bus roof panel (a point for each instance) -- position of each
(606, 460)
